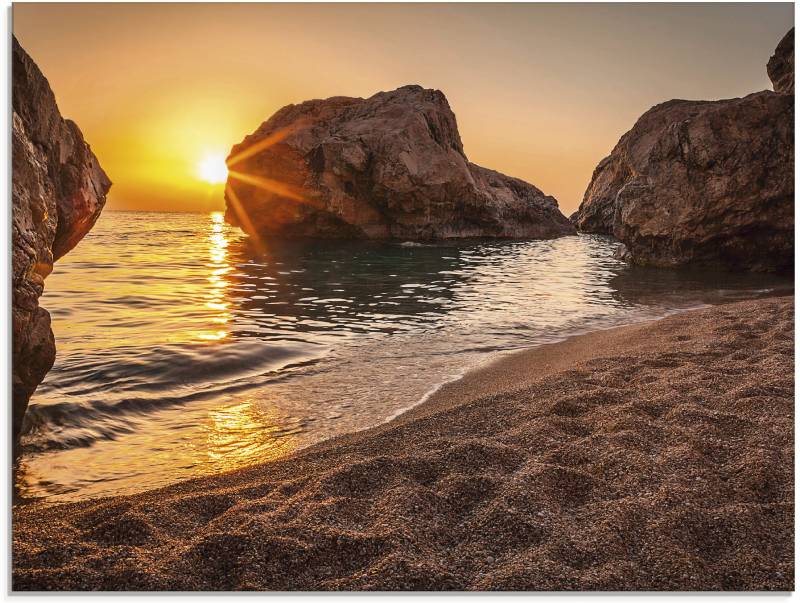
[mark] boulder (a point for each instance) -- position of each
(707, 183)
(780, 67)
(58, 191)
(391, 166)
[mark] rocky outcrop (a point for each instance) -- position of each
(704, 182)
(58, 191)
(780, 67)
(388, 167)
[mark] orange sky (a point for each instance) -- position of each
(541, 92)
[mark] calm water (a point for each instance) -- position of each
(183, 351)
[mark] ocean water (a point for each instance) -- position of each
(184, 349)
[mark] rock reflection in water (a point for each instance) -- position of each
(340, 288)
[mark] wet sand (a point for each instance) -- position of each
(652, 457)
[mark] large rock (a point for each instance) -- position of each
(780, 67)
(704, 182)
(58, 191)
(388, 167)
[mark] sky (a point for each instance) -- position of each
(541, 91)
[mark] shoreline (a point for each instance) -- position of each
(394, 494)
(482, 367)
(487, 367)
(487, 359)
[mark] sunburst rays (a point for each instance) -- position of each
(268, 184)
(276, 187)
(263, 145)
(244, 219)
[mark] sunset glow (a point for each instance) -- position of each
(214, 74)
(212, 168)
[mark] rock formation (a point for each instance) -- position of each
(780, 67)
(388, 167)
(58, 191)
(704, 182)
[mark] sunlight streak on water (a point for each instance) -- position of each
(219, 267)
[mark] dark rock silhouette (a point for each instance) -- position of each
(58, 192)
(704, 182)
(388, 167)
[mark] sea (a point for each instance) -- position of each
(186, 349)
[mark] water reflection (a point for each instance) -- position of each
(241, 433)
(642, 286)
(218, 265)
(159, 449)
(340, 288)
(183, 350)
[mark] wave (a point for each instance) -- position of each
(80, 411)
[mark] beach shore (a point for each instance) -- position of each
(655, 456)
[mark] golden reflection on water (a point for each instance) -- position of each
(244, 433)
(204, 438)
(218, 267)
(215, 437)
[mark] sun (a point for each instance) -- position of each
(212, 168)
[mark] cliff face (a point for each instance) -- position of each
(704, 183)
(388, 167)
(58, 191)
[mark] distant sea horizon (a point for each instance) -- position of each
(162, 211)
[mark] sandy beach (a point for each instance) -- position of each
(652, 457)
